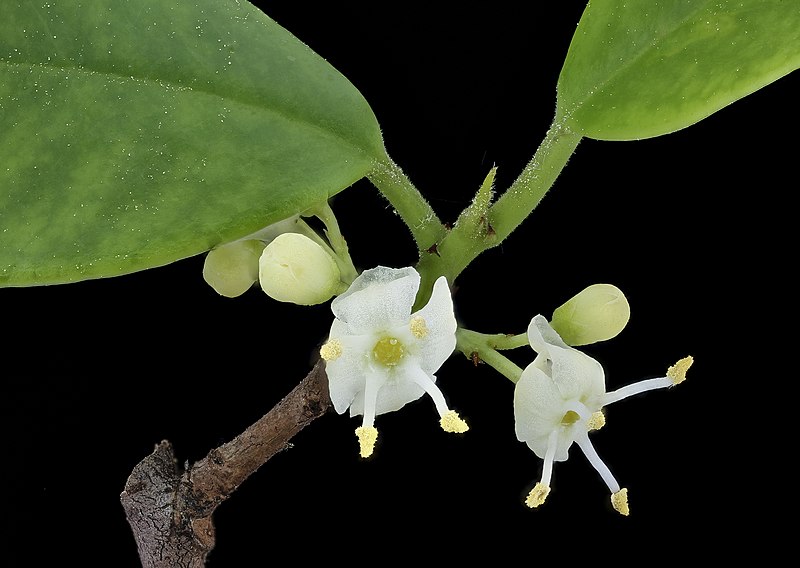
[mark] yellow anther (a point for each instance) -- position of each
(537, 495)
(619, 501)
(388, 351)
(367, 436)
(451, 422)
(331, 350)
(677, 373)
(419, 328)
(596, 421)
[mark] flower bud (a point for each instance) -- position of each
(293, 268)
(231, 269)
(596, 313)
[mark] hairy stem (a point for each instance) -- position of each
(514, 206)
(409, 204)
(473, 235)
(482, 347)
(341, 251)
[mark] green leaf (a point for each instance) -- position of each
(643, 68)
(134, 133)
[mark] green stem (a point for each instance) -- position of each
(484, 347)
(469, 239)
(535, 180)
(503, 341)
(407, 201)
(347, 272)
(342, 253)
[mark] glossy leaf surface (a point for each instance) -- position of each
(643, 68)
(134, 133)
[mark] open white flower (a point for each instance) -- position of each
(558, 401)
(380, 356)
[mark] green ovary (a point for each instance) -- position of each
(571, 417)
(388, 351)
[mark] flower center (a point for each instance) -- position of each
(570, 418)
(388, 351)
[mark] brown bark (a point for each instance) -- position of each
(170, 509)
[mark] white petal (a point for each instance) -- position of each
(542, 336)
(347, 373)
(397, 391)
(378, 299)
(576, 375)
(440, 320)
(538, 408)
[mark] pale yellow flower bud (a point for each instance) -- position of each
(295, 269)
(597, 313)
(231, 269)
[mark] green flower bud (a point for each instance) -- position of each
(597, 313)
(293, 268)
(231, 269)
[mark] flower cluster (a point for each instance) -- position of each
(558, 400)
(380, 356)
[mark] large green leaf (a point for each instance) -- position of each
(134, 133)
(642, 68)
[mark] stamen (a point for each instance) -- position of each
(372, 385)
(426, 383)
(419, 328)
(596, 421)
(637, 388)
(619, 501)
(677, 373)
(367, 436)
(537, 495)
(331, 350)
(549, 457)
(582, 439)
(451, 422)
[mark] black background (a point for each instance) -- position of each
(695, 227)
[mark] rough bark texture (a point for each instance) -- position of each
(170, 509)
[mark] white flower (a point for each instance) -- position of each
(558, 401)
(380, 356)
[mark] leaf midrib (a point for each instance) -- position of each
(161, 83)
(629, 62)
